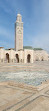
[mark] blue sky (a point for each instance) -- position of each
(35, 15)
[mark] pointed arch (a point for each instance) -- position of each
(28, 58)
(37, 58)
(7, 57)
(17, 58)
(42, 58)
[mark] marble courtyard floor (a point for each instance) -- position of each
(21, 97)
(15, 96)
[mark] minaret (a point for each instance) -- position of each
(18, 33)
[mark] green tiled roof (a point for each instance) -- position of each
(37, 49)
(27, 47)
(10, 49)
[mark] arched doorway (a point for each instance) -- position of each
(28, 58)
(17, 58)
(42, 59)
(7, 57)
(37, 58)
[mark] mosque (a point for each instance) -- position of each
(21, 54)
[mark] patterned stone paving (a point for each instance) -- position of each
(22, 97)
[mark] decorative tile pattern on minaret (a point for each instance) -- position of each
(18, 33)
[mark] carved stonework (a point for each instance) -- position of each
(19, 33)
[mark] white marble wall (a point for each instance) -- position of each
(22, 54)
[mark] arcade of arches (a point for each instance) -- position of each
(37, 58)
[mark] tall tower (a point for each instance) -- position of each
(18, 33)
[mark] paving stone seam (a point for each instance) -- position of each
(18, 102)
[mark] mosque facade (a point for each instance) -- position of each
(22, 54)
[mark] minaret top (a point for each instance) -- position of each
(19, 18)
(18, 14)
